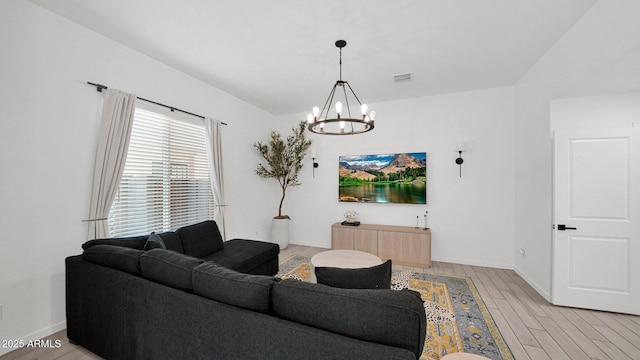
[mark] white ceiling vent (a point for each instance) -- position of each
(402, 77)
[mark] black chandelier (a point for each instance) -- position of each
(343, 123)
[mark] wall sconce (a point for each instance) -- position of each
(459, 160)
(314, 156)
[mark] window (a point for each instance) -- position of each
(165, 184)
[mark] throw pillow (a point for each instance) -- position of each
(375, 277)
(172, 241)
(154, 242)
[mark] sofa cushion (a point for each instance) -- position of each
(375, 277)
(200, 239)
(172, 241)
(169, 268)
(251, 292)
(134, 242)
(244, 255)
(116, 257)
(395, 318)
(154, 241)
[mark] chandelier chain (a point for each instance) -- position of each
(341, 64)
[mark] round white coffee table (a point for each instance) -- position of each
(346, 259)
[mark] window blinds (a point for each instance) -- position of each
(165, 184)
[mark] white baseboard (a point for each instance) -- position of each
(533, 284)
(40, 334)
(318, 245)
(528, 280)
(473, 263)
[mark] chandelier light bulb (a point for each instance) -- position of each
(309, 118)
(342, 125)
(363, 108)
(338, 108)
(316, 112)
(372, 115)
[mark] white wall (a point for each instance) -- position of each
(471, 217)
(608, 32)
(48, 130)
(602, 111)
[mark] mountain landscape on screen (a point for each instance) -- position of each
(383, 178)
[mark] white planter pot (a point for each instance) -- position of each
(280, 232)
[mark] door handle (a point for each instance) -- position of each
(563, 227)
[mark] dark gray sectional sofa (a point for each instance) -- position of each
(185, 302)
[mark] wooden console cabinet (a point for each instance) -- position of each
(402, 244)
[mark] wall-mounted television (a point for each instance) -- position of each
(383, 178)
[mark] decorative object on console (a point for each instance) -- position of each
(383, 178)
(459, 160)
(283, 163)
(351, 218)
(321, 123)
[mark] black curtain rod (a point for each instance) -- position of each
(100, 87)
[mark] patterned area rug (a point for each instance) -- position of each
(457, 318)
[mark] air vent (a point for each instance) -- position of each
(402, 77)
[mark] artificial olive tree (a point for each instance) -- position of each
(283, 159)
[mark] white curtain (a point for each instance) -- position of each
(214, 152)
(111, 155)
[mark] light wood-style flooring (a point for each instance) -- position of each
(533, 328)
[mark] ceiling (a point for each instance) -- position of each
(280, 55)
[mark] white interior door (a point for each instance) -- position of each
(597, 192)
